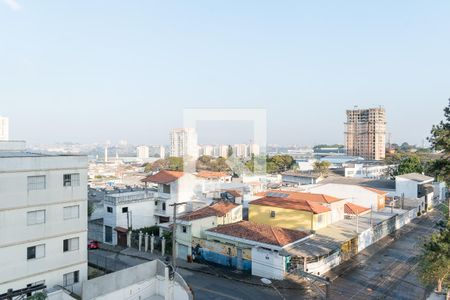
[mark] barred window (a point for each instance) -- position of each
(71, 179)
(71, 212)
(36, 183)
(71, 278)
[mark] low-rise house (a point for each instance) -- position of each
(300, 178)
(336, 205)
(251, 247)
(173, 187)
(301, 214)
(193, 225)
(214, 176)
(123, 211)
(416, 186)
(366, 170)
(359, 195)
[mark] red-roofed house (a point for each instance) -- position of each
(173, 187)
(250, 247)
(193, 224)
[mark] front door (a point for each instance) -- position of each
(239, 259)
(121, 239)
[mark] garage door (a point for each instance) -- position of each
(182, 251)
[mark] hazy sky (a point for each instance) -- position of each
(88, 71)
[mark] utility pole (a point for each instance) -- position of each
(174, 231)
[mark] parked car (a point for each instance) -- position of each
(93, 244)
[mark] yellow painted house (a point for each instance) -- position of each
(301, 211)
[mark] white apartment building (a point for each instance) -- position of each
(183, 142)
(158, 150)
(43, 219)
(4, 128)
(142, 152)
(254, 149)
(207, 150)
(240, 150)
(221, 150)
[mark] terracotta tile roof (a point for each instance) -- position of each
(319, 198)
(353, 209)
(260, 233)
(163, 177)
(210, 174)
(379, 192)
(234, 193)
(219, 209)
(295, 204)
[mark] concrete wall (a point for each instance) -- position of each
(406, 187)
(324, 265)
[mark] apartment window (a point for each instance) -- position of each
(109, 209)
(36, 217)
(164, 206)
(124, 209)
(156, 203)
(108, 234)
(71, 244)
(272, 214)
(71, 179)
(71, 212)
(37, 251)
(184, 229)
(36, 183)
(71, 278)
(166, 188)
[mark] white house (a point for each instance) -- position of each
(173, 187)
(361, 170)
(359, 195)
(193, 224)
(127, 210)
(415, 186)
(43, 219)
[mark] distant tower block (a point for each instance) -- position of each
(106, 153)
(366, 133)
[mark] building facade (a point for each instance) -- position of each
(183, 142)
(366, 133)
(142, 152)
(43, 219)
(4, 128)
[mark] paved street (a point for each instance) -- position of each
(204, 286)
(389, 273)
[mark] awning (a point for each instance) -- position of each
(121, 229)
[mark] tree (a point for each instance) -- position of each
(434, 266)
(91, 209)
(410, 164)
(440, 141)
(170, 163)
(321, 167)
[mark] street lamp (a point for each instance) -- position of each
(269, 283)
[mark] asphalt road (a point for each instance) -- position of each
(390, 272)
(204, 286)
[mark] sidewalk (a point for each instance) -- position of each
(217, 271)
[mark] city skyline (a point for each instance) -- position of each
(301, 62)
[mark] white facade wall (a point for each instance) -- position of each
(183, 142)
(350, 193)
(142, 152)
(406, 187)
(361, 171)
(4, 128)
(16, 234)
(268, 264)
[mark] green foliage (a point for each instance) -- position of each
(440, 141)
(321, 167)
(208, 163)
(150, 230)
(274, 165)
(410, 164)
(229, 151)
(91, 209)
(434, 266)
(37, 296)
(170, 163)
